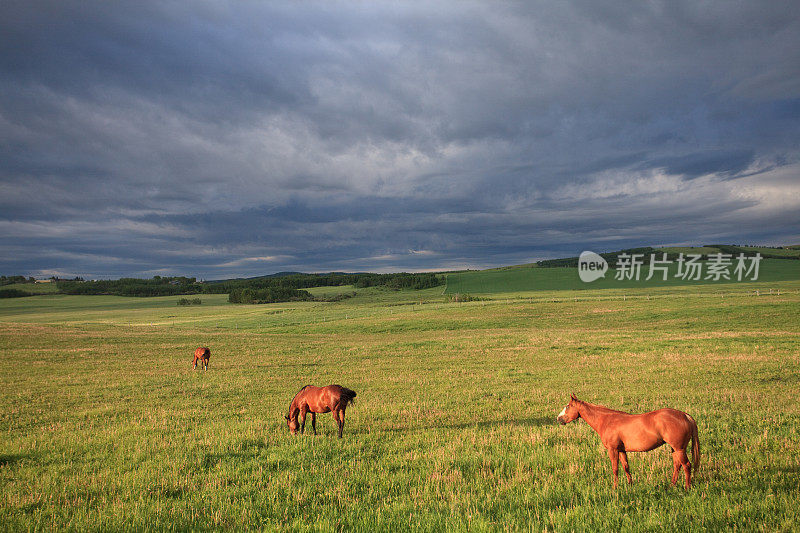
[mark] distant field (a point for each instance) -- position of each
(550, 279)
(36, 288)
(327, 292)
(788, 252)
(690, 250)
(106, 427)
(785, 251)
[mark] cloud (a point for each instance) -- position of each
(253, 260)
(195, 138)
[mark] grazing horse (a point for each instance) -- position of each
(319, 400)
(623, 432)
(202, 354)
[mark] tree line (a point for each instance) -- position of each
(157, 286)
(11, 280)
(612, 257)
(268, 296)
(15, 280)
(254, 290)
(397, 281)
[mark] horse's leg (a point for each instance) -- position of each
(614, 456)
(687, 467)
(303, 413)
(314, 422)
(341, 422)
(623, 457)
(676, 467)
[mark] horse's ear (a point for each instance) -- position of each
(573, 397)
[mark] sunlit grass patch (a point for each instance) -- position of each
(106, 426)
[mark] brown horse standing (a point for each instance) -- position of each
(202, 354)
(623, 432)
(319, 400)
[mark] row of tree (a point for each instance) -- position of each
(268, 296)
(157, 286)
(10, 280)
(255, 290)
(14, 293)
(402, 280)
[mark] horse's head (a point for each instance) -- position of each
(292, 423)
(570, 412)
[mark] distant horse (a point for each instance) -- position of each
(623, 432)
(315, 400)
(203, 355)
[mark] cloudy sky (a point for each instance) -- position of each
(221, 139)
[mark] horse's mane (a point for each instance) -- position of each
(603, 408)
(296, 395)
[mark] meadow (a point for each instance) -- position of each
(106, 427)
(35, 288)
(530, 277)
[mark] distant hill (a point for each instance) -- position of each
(780, 252)
(777, 264)
(263, 276)
(283, 275)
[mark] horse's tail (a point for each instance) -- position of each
(348, 396)
(695, 443)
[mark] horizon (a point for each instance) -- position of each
(435, 271)
(227, 140)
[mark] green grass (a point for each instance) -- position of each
(787, 251)
(35, 288)
(689, 250)
(106, 427)
(554, 279)
(328, 292)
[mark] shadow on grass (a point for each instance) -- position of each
(258, 444)
(245, 450)
(506, 423)
(12, 458)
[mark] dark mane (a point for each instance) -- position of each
(296, 395)
(603, 408)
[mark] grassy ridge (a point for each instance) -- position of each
(105, 426)
(34, 288)
(553, 279)
(787, 251)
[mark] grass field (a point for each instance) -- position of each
(534, 278)
(787, 251)
(35, 288)
(106, 427)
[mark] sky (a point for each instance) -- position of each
(232, 139)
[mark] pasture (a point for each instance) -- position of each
(106, 427)
(533, 278)
(35, 288)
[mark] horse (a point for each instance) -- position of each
(623, 432)
(319, 400)
(201, 354)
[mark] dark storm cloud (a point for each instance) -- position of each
(721, 162)
(222, 139)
